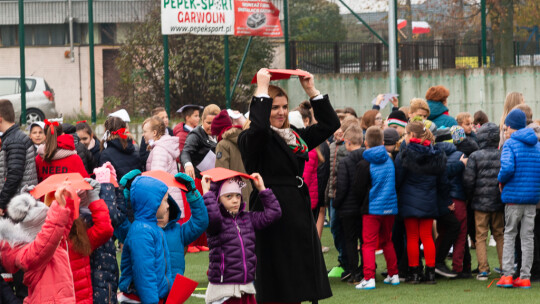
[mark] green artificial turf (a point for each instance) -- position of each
(445, 291)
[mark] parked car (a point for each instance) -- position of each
(39, 97)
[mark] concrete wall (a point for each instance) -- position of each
(69, 80)
(470, 90)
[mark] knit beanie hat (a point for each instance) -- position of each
(391, 136)
(458, 134)
(221, 121)
(443, 134)
(232, 185)
(397, 118)
(295, 119)
(28, 212)
(516, 119)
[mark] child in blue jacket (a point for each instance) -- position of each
(146, 263)
(520, 181)
(178, 236)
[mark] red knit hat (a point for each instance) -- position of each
(221, 122)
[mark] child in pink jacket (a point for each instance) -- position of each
(33, 239)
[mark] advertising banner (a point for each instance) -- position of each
(256, 18)
(220, 17)
(198, 17)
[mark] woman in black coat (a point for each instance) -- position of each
(290, 266)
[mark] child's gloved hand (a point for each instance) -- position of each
(185, 180)
(93, 195)
(127, 179)
(27, 189)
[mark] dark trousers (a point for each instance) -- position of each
(535, 270)
(352, 231)
(399, 239)
(337, 233)
(448, 228)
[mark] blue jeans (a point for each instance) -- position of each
(337, 232)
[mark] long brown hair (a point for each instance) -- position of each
(78, 238)
(51, 143)
(419, 130)
(113, 124)
(368, 119)
(512, 99)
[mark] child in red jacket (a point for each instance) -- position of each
(36, 245)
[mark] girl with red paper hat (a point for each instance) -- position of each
(231, 237)
(36, 245)
(290, 265)
(57, 155)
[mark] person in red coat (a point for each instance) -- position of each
(191, 114)
(83, 241)
(58, 154)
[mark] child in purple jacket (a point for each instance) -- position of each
(231, 238)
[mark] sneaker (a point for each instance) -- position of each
(392, 280)
(506, 282)
(492, 242)
(325, 249)
(356, 279)
(475, 270)
(192, 249)
(483, 276)
(497, 270)
(203, 248)
(378, 252)
(442, 270)
(336, 272)
(464, 275)
(522, 283)
(345, 276)
(366, 284)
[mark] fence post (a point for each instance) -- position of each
(480, 53)
(336, 58)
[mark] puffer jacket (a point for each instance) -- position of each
(123, 160)
(454, 170)
(103, 262)
(60, 163)
(438, 113)
(228, 156)
(421, 181)
(163, 157)
(232, 239)
(98, 234)
(381, 182)
(19, 163)
(310, 177)
(467, 146)
(178, 236)
(337, 153)
(181, 132)
(7, 295)
(144, 152)
(44, 259)
(197, 145)
(480, 175)
(520, 164)
(146, 263)
(346, 202)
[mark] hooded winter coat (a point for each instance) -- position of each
(298, 273)
(310, 177)
(346, 201)
(520, 167)
(19, 163)
(181, 132)
(98, 234)
(467, 146)
(480, 175)
(438, 113)
(178, 236)
(163, 157)
(454, 169)
(197, 145)
(421, 181)
(60, 163)
(375, 178)
(103, 262)
(44, 259)
(146, 264)
(228, 156)
(123, 160)
(95, 150)
(232, 238)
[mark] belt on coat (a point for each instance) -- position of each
(296, 181)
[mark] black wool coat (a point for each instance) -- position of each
(290, 266)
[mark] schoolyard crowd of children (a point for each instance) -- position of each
(416, 183)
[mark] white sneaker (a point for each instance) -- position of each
(492, 242)
(366, 284)
(392, 280)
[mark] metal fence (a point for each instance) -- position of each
(356, 57)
